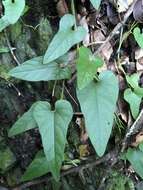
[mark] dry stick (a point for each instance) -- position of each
(70, 95)
(11, 50)
(117, 28)
(111, 156)
(136, 127)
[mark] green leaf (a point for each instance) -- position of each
(4, 50)
(7, 159)
(134, 101)
(64, 39)
(34, 70)
(38, 167)
(12, 12)
(133, 81)
(138, 36)
(53, 127)
(3, 23)
(135, 157)
(141, 146)
(24, 123)
(96, 3)
(87, 66)
(98, 103)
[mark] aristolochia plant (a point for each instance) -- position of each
(97, 95)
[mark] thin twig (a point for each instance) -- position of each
(11, 49)
(137, 125)
(95, 42)
(73, 12)
(54, 87)
(70, 95)
(63, 87)
(111, 156)
(117, 28)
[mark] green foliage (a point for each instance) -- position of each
(87, 66)
(133, 81)
(64, 39)
(45, 35)
(118, 181)
(35, 70)
(96, 3)
(134, 94)
(97, 96)
(24, 123)
(141, 146)
(13, 11)
(54, 124)
(98, 103)
(4, 71)
(134, 102)
(7, 159)
(138, 36)
(135, 157)
(38, 167)
(4, 50)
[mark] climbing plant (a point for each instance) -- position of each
(97, 93)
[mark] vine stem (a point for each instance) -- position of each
(53, 92)
(73, 12)
(111, 156)
(63, 86)
(11, 49)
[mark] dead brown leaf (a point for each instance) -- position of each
(138, 11)
(138, 139)
(62, 8)
(139, 59)
(107, 50)
(83, 150)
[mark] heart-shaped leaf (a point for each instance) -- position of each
(87, 66)
(96, 3)
(133, 81)
(53, 127)
(138, 36)
(38, 167)
(64, 39)
(12, 12)
(35, 70)
(24, 123)
(134, 101)
(98, 103)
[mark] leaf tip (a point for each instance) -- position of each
(11, 133)
(100, 152)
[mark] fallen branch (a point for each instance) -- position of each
(111, 156)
